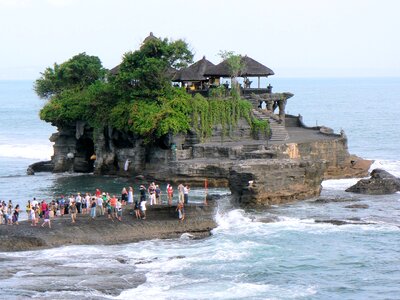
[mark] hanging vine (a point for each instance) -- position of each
(226, 112)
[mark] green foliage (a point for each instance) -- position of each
(147, 72)
(152, 119)
(260, 127)
(218, 111)
(79, 72)
(235, 64)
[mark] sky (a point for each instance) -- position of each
(307, 38)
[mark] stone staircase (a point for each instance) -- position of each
(278, 130)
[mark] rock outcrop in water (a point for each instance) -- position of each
(260, 172)
(381, 182)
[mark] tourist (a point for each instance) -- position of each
(28, 209)
(58, 208)
(52, 209)
(109, 210)
(98, 193)
(181, 211)
(34, 202)
(143, 209)
(43, 208)
(10, 208)
(118, 208)
(33, 216)
(186, 190)
(180, 193)
(47, 218)
(93, 208)
(124, 195)
(170, 193)
(130, 195)
(152, 193)
(78, 200)
(142, 203)
(105, 197)
(113, 203)
(73, 210)
(36, 209)
(61, 204)
(137, 210)
(158, 194)
(86, 203)
(1, 213)
(67, 203)
(100, 208)
(15, 215)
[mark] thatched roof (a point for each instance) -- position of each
(114, 71)
(250, 68)
(194, 72)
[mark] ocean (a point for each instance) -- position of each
(246, 257)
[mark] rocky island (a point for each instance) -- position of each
(173, 122)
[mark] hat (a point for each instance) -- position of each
(104, 194)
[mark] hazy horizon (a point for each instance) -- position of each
(296, 39)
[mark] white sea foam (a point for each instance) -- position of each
(391, 166)
(38, 151)
(339, 184)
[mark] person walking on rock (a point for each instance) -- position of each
(142, 203)
(93, 205)
(46, 217)
(170, 193)
(186, 190)
(73, 210)
(130, 195)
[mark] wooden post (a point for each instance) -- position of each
(258, 81)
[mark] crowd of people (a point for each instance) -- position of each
(94, 205)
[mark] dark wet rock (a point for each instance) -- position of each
(344, 222)
(122, 260)
(381, 182)
(211, 197)
(41, 166)
(363, 206)
(335, 200)
(269, 219)
(114, 285)
(30, 171)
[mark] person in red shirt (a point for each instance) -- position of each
(43, 207)
(170, 193)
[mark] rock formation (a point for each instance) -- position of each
(381, 182)
(280, 170)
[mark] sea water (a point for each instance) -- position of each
(286, 252)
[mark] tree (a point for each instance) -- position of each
(147, 72)
(235, 65)
(78, 72)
